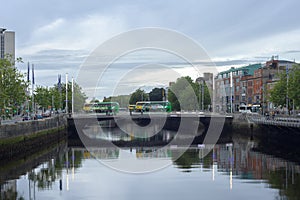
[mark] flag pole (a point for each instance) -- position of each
(32, 85)
(28, 90)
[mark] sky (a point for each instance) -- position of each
(58, 36)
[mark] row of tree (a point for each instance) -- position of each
(287, 89)
(54, 98)
(15, 97)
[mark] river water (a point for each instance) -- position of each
(238, 167)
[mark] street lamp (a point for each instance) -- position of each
(201, 82)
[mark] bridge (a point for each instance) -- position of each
(172, 120)
(89, 126)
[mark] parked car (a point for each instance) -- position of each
(38, 116)
(26, 118)
(47, 113)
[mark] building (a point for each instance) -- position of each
(270, 72)
(207, 79)
(248, 85)
(7, 43)
(232, 88)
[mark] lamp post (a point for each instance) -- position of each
(201, 82)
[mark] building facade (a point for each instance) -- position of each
(270, 72)
(7, 43)
(248, 85)
(232, 88)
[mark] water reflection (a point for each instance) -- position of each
(239, 161)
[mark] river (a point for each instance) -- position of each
(239, 167)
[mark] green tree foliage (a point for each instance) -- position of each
(157, 94)
(12, 86)
(279, 91)
(138, 95)
(284, 87)
(123, 100)
(45, 96)
(294, 85)
(184, 95)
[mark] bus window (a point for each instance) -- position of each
(245, 109)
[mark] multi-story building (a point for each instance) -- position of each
(208, 80)
(232, 88)
(270, 72)
(248, 85)
(7, 43)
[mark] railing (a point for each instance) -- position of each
(275, 121)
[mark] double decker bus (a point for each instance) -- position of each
(87, 107)
(109, 108)
(153, 106)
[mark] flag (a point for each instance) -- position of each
(28, 71)
(59, 83)
(33, 74)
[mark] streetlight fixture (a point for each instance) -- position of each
(201, 82)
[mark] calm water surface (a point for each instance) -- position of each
(232, 170)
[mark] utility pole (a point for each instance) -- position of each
(67, 93)
(287, 89)
(231, 87)
(72, 96)
(202, 94)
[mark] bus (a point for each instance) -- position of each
(140, 105)
(245, 109)
(153, 106)
(109, 108)
(87, 107)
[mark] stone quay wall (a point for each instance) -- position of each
(24, 128)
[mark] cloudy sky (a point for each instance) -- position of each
(57, 36)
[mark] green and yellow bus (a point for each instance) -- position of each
(107, 107)
(87, 107)
(153, 106)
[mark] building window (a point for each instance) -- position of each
(237, 98)
(237, 88)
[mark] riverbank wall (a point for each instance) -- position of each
(22, 138)
(25, 128)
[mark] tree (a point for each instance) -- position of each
(12, 87)
(123, 100)
(184, 94)
(279, 91)
(138, 95)
(45, 96)
(157, 94)
(287, 86)
(293, 85)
